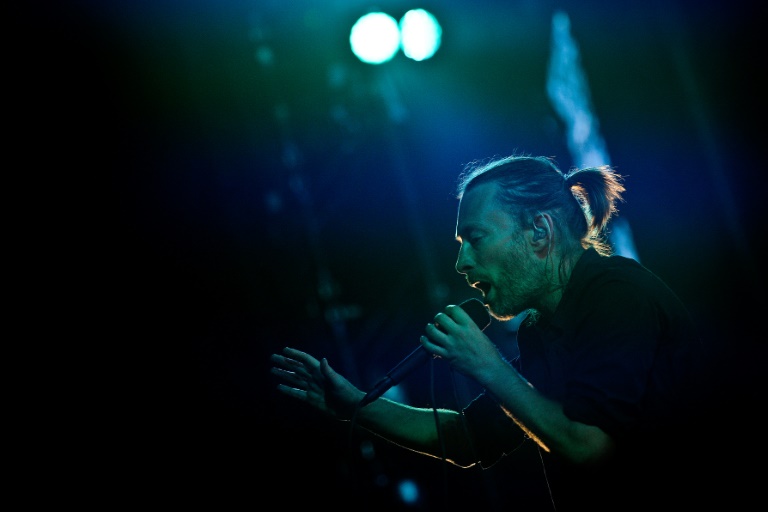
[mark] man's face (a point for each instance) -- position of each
(495, 255)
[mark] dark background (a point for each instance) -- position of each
(303, 198)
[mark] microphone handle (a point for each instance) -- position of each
(416, 358)
(476, 311)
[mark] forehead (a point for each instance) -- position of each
(480, 209)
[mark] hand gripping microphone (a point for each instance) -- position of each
(476, 311)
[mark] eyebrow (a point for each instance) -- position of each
(468, 228)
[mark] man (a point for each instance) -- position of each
(607, 379)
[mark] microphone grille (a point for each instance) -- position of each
(477, 312)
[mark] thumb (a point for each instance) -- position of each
(329, 373)
(340, 383)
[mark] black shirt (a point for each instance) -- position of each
(621, 353)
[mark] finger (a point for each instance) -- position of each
(435, 332)
(295, 393)
(431, 347)
(457, 314)
(302, 357)
(289, 366)
(445, 320)
(283, 361)
(290, 377)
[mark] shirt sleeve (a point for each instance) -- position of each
(493, 434)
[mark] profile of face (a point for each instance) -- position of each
(496, 254)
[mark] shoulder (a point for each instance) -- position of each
(622, 288)
(620, 273)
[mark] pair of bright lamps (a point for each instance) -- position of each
(376, 37)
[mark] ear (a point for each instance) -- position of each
(542, 233)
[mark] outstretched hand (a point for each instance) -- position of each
(315, 383)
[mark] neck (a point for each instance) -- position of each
(550, 301)
(559, 275)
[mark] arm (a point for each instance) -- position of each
(472, 353)
(318, 384)
(543, 419)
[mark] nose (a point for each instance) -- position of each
(464, 263)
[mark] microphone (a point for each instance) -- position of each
(476, 311)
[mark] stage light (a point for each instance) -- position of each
(420, 34)
(408, 491)
(375, 38)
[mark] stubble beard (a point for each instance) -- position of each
(519, 288)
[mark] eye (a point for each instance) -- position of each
(474, 240)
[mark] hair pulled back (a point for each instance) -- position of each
(581, 202)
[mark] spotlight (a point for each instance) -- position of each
(420, 34)
(375, 38)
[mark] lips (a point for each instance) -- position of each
(480, 285)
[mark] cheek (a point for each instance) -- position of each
(510, 256)
(497, 255)
(511, 248)
(501, 253)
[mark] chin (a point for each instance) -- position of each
(502, 318)
(497, 315)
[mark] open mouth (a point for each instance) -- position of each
(482, 286)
